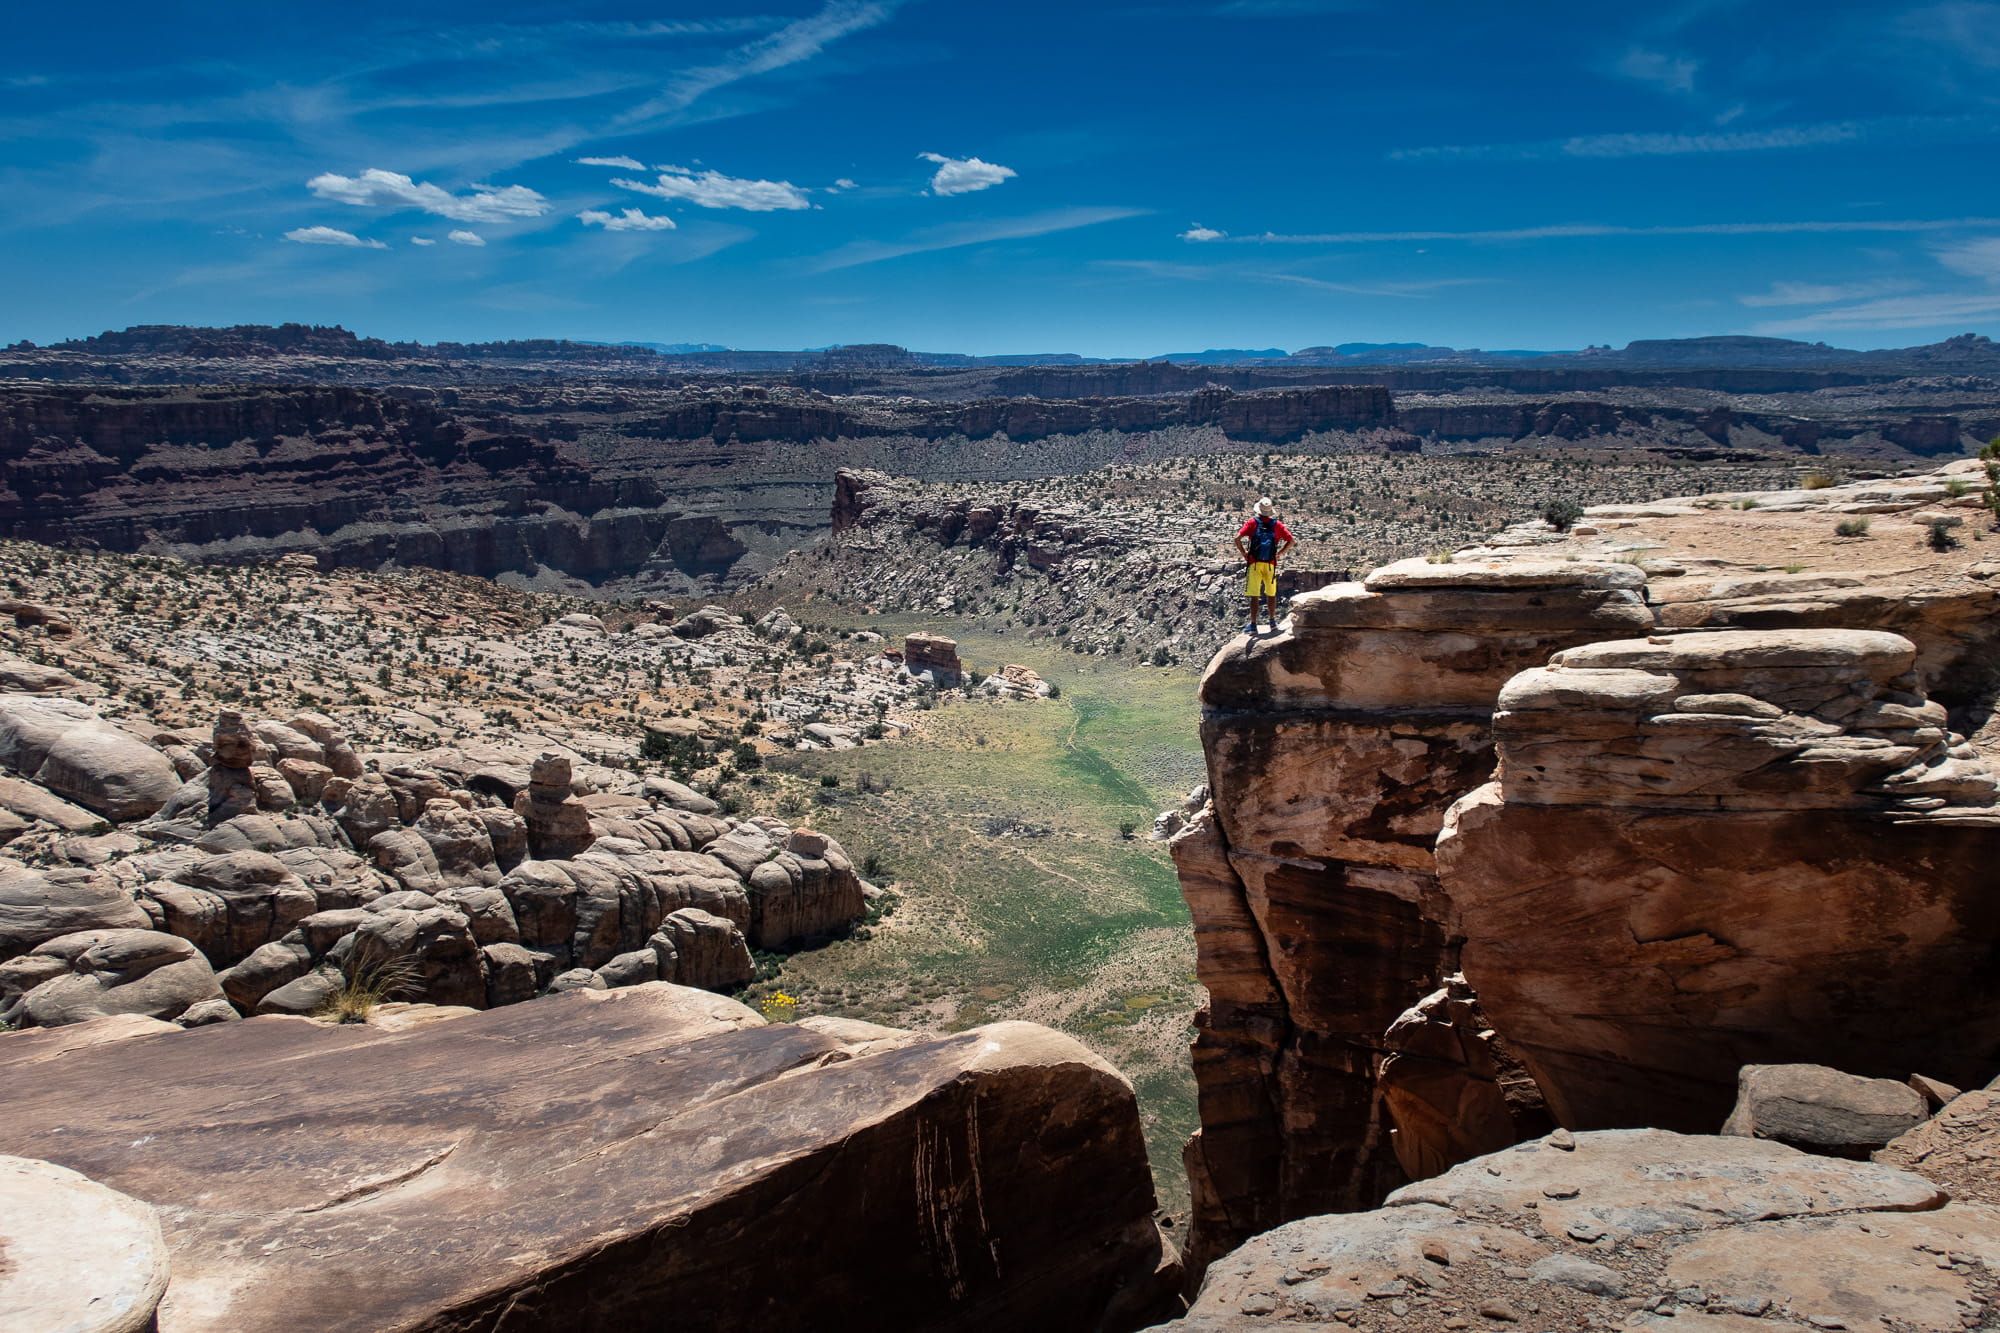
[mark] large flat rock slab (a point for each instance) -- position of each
(1633, 1229)
(612, 1160)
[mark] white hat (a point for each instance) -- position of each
(1264, 505)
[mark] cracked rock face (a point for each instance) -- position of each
(780, 1176)
(1712, 850)
(1641, 1229)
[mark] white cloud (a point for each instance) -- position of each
(466, 237)
(796, 41)
(963, 175)
(1978, 259)
(1811, 293)
(377, 188)
(626, 163)
(712, 189)
(1201, 233)
(331, 236)
(1673, 73)
(842, 184)
(1897, 312)
(422, 240)
(959, 234)
(629, 220)
(1775, 139)
(1568, 230)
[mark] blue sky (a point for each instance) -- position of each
(1113, 179)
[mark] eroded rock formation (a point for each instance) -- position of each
(1760, 845)
(688, 1158)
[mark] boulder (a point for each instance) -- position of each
(38, 905)
(558, 825)
(807, 889)
(1822, 1110)
(1452, 1087)
(232, 903)
(995, 1179)
(697, 948)
(80, 1258)
(1640, 1229)
(435, 945)
(37, 804)
(111, 972)
(933, 657)
(666, 791)
(109, 771)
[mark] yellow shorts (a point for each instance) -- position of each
(1262, 581)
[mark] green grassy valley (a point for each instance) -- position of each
(1003, 830)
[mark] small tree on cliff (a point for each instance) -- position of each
(1990, 456)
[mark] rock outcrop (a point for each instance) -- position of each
(1333, 751)
(1709, 850)
(1751, 844)
(1639, 1229)
(689, 1155)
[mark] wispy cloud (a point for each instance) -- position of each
(967, 233)
(1278, 9)
(465, 237)
(796, 41)
(963, 175)
(1898, 312)
(1568, 230)
(1883, 309)
(1414, 291)
(1656, 145)
(623, 163)
(331, 236)
(423, 240)
(712, 189)
(1817, 293)
(375, 188)
(1673, 73)
(630, 219)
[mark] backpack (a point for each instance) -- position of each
(1264, 541)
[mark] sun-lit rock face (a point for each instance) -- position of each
(1726, 802)
(1718, 849)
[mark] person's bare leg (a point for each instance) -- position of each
(1270, 610)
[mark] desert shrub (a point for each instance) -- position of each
(1747, 502)
(1442, 556)
(680, 752)
(745, 755)
(1561, 514)
(829, 779)
(1851, 527)
(1822, 475)
(1940, 536)
(1956, 487)
(365, 984)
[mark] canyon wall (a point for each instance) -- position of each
(1763, 843)
(625, 490)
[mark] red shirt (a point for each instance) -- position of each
(1283, 534)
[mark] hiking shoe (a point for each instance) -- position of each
(1251, 629)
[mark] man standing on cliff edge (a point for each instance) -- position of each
(1263, 541)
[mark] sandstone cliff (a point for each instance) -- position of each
(1642, 816)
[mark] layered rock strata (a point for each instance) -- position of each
(1336, 747)
(1711, 850)
(1333, 751)
(689, 1158)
